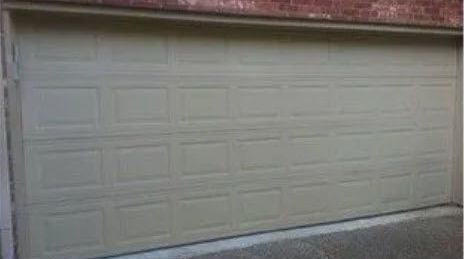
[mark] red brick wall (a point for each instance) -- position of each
(438, 13)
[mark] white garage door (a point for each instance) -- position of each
(138, 136)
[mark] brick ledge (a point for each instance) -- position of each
(430, 13)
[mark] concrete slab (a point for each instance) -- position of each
(427, 233)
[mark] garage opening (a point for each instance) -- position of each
(139, 135)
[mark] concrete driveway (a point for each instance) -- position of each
(430, 233)
(439, 237)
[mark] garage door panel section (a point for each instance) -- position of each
(54, 108)
(52, 230)
(138, 105)
(167, 104)
(397, 51)
(147, 136)
(143, 163)
(143, 222)
(207, 104)
(55, 170)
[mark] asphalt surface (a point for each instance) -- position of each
(439, 237)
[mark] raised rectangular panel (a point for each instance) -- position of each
(354, 50)
(201, 48)
(307, 100)
(141, 105)
(257, 154)
(204, 158)
(395, 188)
(204, 104)
(395, 98)
(306, 199)
(256, 52)
(395, 144)
(394, 122)
(66, 45)
(354, 147)
(308, 150)
(357, 99)
(136, 48)
(376, 51)
(432, 141)
(151, 220)
(396, 166)
(434, 163)
(67, 107)
(260, 102)
(140, 163)
(355, 170)
(435, 119)
(431, 185)
(69, 168)
(72, 230)
(435, 98)
(352, 195)
(437, 54)
(298, 50)
(205, 214)
(260, 206)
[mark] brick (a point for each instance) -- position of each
(438, 13)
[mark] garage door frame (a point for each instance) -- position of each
(13, 123)
(9, 152)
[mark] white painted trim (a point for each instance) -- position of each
(229, 20)
(203, 248)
